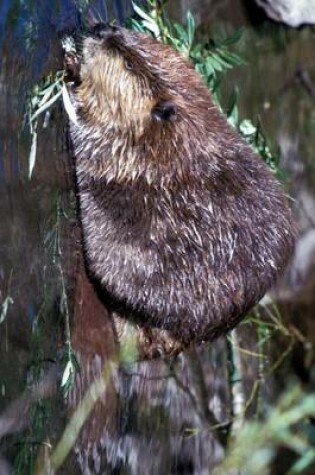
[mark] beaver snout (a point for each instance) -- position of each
(103, 31)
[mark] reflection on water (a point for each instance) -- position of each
(155, 417)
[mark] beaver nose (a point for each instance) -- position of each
(103, 30)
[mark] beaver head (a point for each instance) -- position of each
(131, 79)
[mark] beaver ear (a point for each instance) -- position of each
(164, 110)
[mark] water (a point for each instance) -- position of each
(154, 417)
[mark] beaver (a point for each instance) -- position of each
(184, 227)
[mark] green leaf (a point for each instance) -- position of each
(135, 25)
(141, 13)
(5, 307)
(234, 58)
(224, 60)
(68, 105)
(234, 38)
(191, 27)
(182, 33)
(45, 93)
(247, 128)
(304, 462)
(67, 374)
(210, 69)
(147, 21)
(215, 63)
(32, 155)
(46, 106)
(152, 26)
(200, 69)
(232, 110)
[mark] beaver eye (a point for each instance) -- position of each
(128, 65)
(164, 111)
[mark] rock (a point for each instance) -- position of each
(293, 13)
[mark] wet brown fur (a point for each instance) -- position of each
(184, 226)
